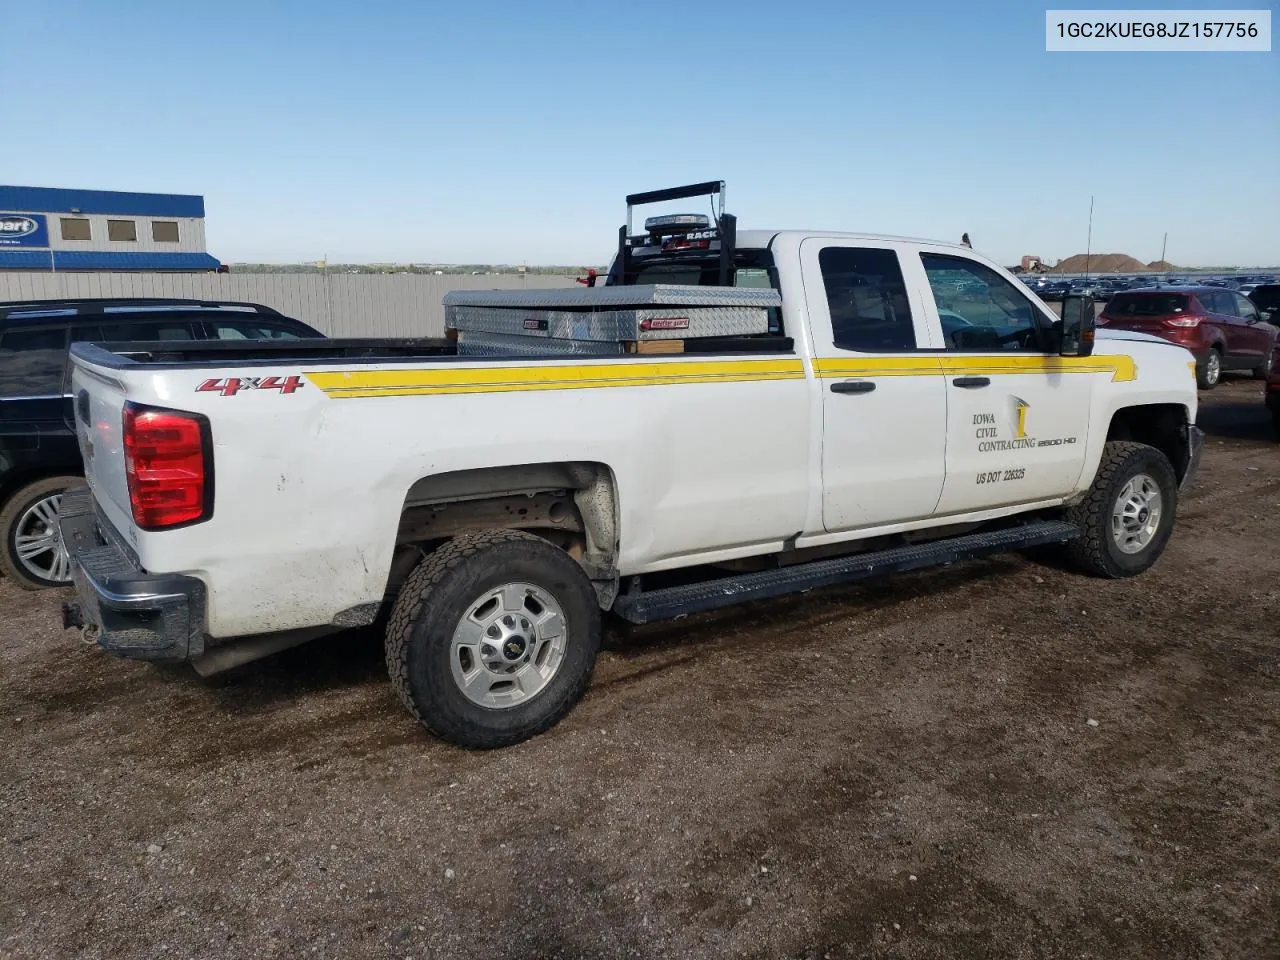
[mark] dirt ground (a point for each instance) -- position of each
(902, 769)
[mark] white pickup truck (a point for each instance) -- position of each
(899, 403)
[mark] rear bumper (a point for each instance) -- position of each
(129, 612)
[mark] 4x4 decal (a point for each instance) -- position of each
(230, 386)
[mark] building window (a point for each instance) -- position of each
(75, 228)
(164, 231)
(122, 230)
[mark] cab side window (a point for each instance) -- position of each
(979, 309)
(868, 300)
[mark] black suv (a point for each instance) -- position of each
(1266, 297)
(39, 457)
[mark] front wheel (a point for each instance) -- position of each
(33, 555)
(493, 638)
(1127, 516)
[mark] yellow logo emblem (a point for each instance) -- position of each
(1020, 409)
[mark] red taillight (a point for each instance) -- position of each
(1191, 320)
(164, 457)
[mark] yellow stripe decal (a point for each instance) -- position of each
(627, 373)
(549, 376)
(1121, 368)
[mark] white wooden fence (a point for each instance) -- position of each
(340, 305)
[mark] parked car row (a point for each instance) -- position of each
(39, 456)
(1102, 288)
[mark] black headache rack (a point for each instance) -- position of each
(678, 233)
(94, 306)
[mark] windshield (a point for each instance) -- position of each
(1147, 304)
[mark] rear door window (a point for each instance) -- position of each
(31, 360)
(1210, 301)
(867, 298)
(1223, 303)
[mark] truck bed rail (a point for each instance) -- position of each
(266, 352)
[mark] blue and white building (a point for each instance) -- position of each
(49, 228)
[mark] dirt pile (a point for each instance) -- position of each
(1109, 263)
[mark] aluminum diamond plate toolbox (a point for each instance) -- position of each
(599, 298)
(471, 344)
(613, 314)
(610, 326)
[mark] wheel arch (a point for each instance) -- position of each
(1160, 425)
(572, 504)
(23, 476)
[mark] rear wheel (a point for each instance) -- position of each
(1209, 372)
(1127, 516)
(33, 555)
(493, 638)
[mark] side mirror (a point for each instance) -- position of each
(1078, 326)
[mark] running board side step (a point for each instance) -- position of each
(669, 602)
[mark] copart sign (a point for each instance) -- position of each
(23, 230)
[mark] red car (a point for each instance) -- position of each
(1222, 328)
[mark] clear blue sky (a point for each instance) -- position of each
(510, 131)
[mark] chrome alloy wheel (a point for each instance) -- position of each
(1212, 368)
(508, 646)
(37, 541)
(1135, 517)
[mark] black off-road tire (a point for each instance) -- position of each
(433, 600)
(10, 512)
(1095, 551)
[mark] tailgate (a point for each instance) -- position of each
(98, 400)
